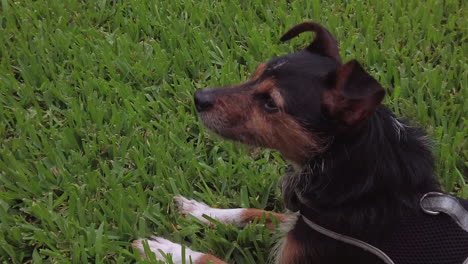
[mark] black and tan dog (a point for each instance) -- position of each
(358, 171)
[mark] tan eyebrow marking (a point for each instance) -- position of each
(259, 71)
(265, 86)
(269, 86)
(277, 97)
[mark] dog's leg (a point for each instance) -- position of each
(237, 216)
(158, 244)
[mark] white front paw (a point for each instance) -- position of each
(194, 208)
(198, 209)
(160, 246)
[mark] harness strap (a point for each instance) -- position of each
(349, 240)
(435, 202)
(432, 203)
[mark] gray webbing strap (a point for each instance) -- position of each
(435, 203)
(432, 203)
(349, 240)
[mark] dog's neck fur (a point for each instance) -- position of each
(359, 181)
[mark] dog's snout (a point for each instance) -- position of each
(203, 100)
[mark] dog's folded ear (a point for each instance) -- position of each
(352, 95)
(323, 44)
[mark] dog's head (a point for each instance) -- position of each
(296, 102)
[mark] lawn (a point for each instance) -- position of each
(98, 131)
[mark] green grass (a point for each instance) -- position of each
(98, 131)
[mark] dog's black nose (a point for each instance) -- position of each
(203, 100)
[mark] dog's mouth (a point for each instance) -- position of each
(212, 122)
(226, 128)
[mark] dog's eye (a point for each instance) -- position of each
(266, 102)
(270, 106)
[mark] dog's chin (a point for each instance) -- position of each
(213, 124)
(221, 128)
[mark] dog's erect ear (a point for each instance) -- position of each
(324, 43)
(353, 95)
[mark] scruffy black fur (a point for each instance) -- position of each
(362, 185)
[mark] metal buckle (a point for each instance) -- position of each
(424, 197)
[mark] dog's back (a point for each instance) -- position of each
(421, 238)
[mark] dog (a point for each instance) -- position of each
(359, 175)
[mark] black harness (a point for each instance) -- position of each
(429, 238)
